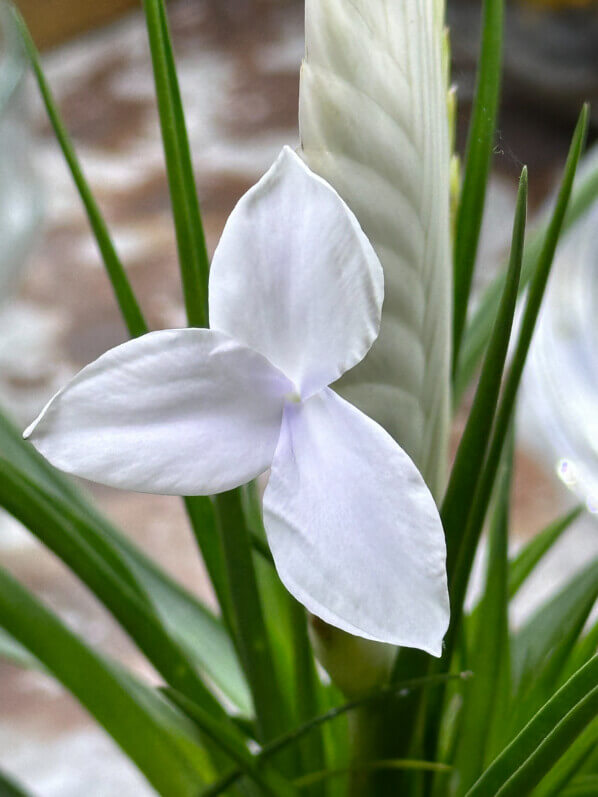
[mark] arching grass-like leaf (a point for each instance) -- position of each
(120, 283)
(195, 627)
(479, 329)
(191, 239)
(526, 560)
(475, 520)
(233, 744)
(586, 786)
(478, 157)
(547, 736)
(314, 778)
(293, 737)
(252, 639)
(159, 740)
(586, 647)
(11, 651)
(489, 656)
(77, 543)
(569, 764)
(193, 257)
(472, 447)
(552, 624)
(10, 788)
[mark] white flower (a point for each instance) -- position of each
(295, 300)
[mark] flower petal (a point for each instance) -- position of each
(353, 529)
(295, 278)
(178, 412)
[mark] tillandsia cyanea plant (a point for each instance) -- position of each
(327, 343)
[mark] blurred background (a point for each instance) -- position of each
(239, 67)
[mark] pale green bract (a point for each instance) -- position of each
(374, 123)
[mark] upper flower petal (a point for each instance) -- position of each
(178, 412)
(353, 529)
(295, 278)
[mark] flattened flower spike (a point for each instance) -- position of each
(295, 301)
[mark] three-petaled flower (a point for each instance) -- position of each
(295, 299)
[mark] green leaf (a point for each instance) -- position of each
(122, 289)
(381, 695)
(193, 257)
(526, 560)
(77, 543)
(202, 517)
(160, 741)
(586, 786)
(569, 764)
(189, 236)
(547, 736)
(233, 744)
(479, 329)
(11, 651)
(586, 647)
(474, 441)
(9, 788)
(286, 621)
(251, 636)
(478, 157)
(489, 659)
(371, 766)
(552, 625)
(308, 695)
(195, 628)
(475, 520)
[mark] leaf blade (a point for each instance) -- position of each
(193, 257)
(544, 739)
(477, 514)
(125, 297)
(478, 157)
(479, 329)
(167, 760)
(526, 560)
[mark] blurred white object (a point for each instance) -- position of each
(20, 204)
(560, 391)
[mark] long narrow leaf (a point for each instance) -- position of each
(122, 289)
(252, 639)
(478, 332)
(197, 630)
(472, 448)
(466, 474)
(234, 746)
(570, 764)
(586, 647)
(9, 787)
(544, 739)
(490, 647)
(307, 689)
(193, 258)
(11, 651)
(478, 157)
(67, 536)
(398, 690)
(189, 235)
(586, 786)
(192, 252)
(158, 740)
(527, 559)
(551, 624)
(372, 766)
(537, 288)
